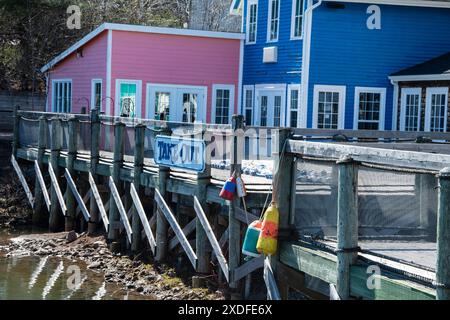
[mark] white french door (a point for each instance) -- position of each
(270, 108)
(176, 103)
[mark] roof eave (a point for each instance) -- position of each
(422, 77)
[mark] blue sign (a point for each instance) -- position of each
(180, 153)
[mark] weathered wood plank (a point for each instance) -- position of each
(406, 159)
(42, 184)
(244, 217)
(86, 198)
(59, 194)
(247, 268)
(77, 196)
(187, 230)
(22, 181)
(120, 207)
(271, 284)
(164, 208)
(212, 238)
(143, 217)
(98, 201)
(334, 295)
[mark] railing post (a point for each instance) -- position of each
(55, 211)
(139, 137)
(443, 237)
(347, 223)
(234, 227)
(428, 204)
(161, 222)
(114, 217)
(95, 156)
(39, 202)
(71, 157)
(16, 131)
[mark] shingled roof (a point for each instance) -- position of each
(439, 66)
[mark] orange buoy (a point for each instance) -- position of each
(268, 239)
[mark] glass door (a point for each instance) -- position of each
(270, 109)
(128, 100)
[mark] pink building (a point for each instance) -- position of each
(149, 72)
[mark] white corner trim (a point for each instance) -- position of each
(342, 96)
(382, 92)
(215, 87)
(430, 92)
(138, 84)
(108, 97)
(405, 92)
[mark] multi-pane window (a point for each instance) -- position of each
(249, 107)
(437, 101)
(293, 107)
(277, 111)
(222, 106)
(252, 21)
(328, 110)
(297, 19)
(162, 106)
(264, 106)
(128, 99)
(370, 104)
(62, 96)
(96, 94)
(190, 104)
(410, 109)
(274, 20)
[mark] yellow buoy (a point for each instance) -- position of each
(267, 241)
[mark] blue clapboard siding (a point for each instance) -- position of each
(345, 52)
(288, 68)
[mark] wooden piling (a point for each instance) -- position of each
(443, 237)
(39, 212)
(16, 133)
(71, 157)
(347, 224)
(136, 224)
(95, 156)
(234, 227)
(114, 217)
(161, 222)
(55, 146)
(428, 204)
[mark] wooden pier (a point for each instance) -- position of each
(97, 173)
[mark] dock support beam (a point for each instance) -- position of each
(95, 156)
(234, 227)
(39, 202)
(139, 136)
(55, 211)
(71, 157)
(347, 224)
(114, 217)
(16, 130)
(443, 237)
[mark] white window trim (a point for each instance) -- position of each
(231, 110)
(382, 92)
(65, 80)
(269, 87)
(269, 21)
(430, 91)
(330, 88)
(93, 83)
(405, 92)
(172, 88)
(288, 118)
(293, 37)
(247, 31)
(252, 89)
(138, 84)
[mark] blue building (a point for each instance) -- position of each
(338, 64)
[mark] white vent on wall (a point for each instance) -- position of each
(270, 55)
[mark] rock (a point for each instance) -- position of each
(71, 237)
(94, 265)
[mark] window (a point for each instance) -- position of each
(329, 102)
(264, 105)
(223, 99)
(128, 98)
(62, 96)
(297, 19)
(96, 95)
(248, 105)
(294, 102)
(162, 106)
(190, 105)
(252, 21)
(436, 110)
(369, 108)
(274, 21)
(410, 109)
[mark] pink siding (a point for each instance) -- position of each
(82, 70)
(172, 59)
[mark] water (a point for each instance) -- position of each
(53, 278)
